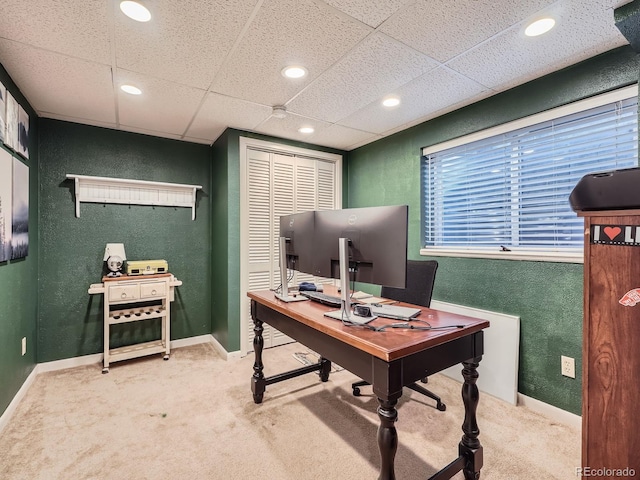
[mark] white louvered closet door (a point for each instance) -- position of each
(279, 184)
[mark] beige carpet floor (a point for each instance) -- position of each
(193, 417)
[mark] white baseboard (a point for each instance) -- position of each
(69, 363)
(549, 411)
(221, 350)
(8, 413)
(217, 346)
(187, 342)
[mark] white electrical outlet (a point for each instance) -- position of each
(568, 366)
(24, 345)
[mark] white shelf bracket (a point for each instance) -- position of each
(133, 192)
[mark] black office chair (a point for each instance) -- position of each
(420, 279)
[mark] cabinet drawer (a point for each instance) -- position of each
(153, 290)
(122, 293)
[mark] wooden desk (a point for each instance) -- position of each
(389, 360)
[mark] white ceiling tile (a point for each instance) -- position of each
(62, 54)
(227, 111)
(377, 66)
(64, 85)
(79, 29)
(613, 3)
(153, 133)
(286, 32)
(84, 121)
(325, 134)
(163, 106)
(185, 41)
(419, 98)
(371, 12)
(204, 141)
(511, 58)
(443, 29)
(288, 126)
(338, 136)
(436, 113)
(353, 146)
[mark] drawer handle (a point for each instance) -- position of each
(153, 292)
(124, 295)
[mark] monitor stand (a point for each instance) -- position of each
(346, 314)
(284, 282)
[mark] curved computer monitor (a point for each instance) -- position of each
(377, 247)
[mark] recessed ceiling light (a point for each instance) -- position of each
(294, 71)
(131, 89)
(539, 27)
(305, 129)
(136, 11)
(391, 102)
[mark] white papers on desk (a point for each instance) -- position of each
(363, 297)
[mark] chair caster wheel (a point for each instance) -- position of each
(356, 392)
(441, 406)
(166, 357)
(105, 370)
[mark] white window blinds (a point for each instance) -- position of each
(511, 189)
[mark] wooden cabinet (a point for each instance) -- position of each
(611, 344)
(132, 299)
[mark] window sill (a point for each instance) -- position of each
(572, 256)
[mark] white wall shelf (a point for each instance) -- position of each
(133, 192)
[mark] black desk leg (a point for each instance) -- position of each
(258, 384)
(325, 369)
(387, 438)
(470, 447)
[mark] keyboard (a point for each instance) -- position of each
(323, 298)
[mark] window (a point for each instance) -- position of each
(507, 189)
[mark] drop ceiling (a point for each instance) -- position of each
(205, 65)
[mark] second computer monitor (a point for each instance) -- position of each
(377, 243)
(299, 231)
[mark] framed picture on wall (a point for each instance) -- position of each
(6, 180)
(20, 210)
(23, 132)
(12, 122)
(3, 112)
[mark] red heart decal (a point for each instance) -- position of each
(612, 232)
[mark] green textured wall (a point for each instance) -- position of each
(546, 296)
(221, 260)
(19, 280)
(70, 320)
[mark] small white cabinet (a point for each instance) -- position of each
(135, 298)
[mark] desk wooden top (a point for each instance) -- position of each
(390, 344)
